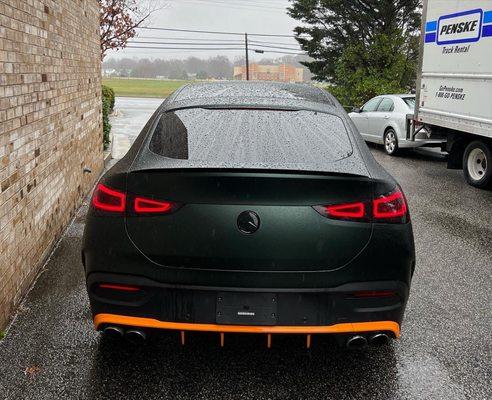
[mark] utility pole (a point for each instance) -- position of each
(247, 56)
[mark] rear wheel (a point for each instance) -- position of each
(477, 164)
(390, 142)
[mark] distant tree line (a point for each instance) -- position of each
(218, 67)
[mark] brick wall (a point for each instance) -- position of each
(50, 128)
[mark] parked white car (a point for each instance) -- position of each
(383, 120)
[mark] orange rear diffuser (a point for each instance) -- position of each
(349, 327)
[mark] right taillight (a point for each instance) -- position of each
(390, 208)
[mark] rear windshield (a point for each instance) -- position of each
(251, 136)
(410, 102)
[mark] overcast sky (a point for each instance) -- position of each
(252, 16)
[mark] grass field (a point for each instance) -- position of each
(142, 87)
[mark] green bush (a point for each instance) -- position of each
(108, 93)
(106, 107)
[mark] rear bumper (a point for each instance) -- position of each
(406, 144)
(101, 320)
(348, 308)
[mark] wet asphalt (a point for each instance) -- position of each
(52, 352)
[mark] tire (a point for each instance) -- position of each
(390, 142)
(477, 164)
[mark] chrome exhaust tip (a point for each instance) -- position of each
(113, 332)
(135, 336)
(379, 339)
(356, 342)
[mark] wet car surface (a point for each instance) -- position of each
(51, 350)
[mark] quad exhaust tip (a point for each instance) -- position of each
(356, 342)
(113, 332)
(135, 336)
(379, 339)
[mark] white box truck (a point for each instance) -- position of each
(454, 83)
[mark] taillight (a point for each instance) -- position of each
(119, 288)
(375, 293)
(107, 199)
(390, 208)
(113, 201)
(345, 211)
(352, 210)
(144, 205)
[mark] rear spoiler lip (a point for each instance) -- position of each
(249, 171)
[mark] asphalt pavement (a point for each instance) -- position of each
(52, 352)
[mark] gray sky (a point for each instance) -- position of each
(252, 16)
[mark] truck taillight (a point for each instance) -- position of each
(390, 208)
(109, 200)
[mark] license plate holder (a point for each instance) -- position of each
(239, 308)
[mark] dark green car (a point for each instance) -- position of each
(249, 207)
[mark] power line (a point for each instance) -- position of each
(210, 48)
(213, 32)
(219, 41)
(213, 44)
(235, 43)
(238, 5)
(286, 47)
(185, 39)
(281, 43)
(278, 52)
(185, 48)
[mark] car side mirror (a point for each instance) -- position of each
(356, 110)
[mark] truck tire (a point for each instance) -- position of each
(390, 142)
(477, 164)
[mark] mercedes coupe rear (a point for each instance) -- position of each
(249, 207)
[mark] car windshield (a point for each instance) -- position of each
(251, 136)
(410, 102)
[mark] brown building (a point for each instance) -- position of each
(280, 72)
(50, 129)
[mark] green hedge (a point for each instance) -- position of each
(108, 93)
(106, 110)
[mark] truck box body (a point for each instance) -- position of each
(454, 84)
(455, 78)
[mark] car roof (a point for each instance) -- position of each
(262, 94)
(401, 96)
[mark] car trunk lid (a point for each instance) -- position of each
(203, 231)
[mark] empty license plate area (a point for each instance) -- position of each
(235, 308)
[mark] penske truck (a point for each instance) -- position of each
(454, 84)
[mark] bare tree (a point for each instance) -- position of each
(119, 20)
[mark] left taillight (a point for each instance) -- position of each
(144, 205)
(109, 200)
(118, 287)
